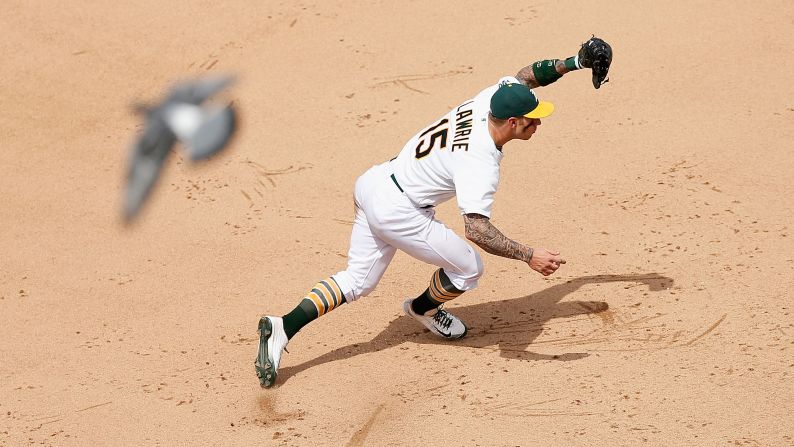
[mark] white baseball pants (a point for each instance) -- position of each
(386, 220)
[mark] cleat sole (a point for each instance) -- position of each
(262, 365)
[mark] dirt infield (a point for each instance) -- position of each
(669, 191)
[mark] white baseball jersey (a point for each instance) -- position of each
(454, 156)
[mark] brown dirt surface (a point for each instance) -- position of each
(669, 191)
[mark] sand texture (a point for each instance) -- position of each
(670, 191)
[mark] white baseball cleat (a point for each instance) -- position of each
(272, 341)
(439, 321)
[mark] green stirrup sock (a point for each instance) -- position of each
(324, 297)
(440, 291)
(298, 318)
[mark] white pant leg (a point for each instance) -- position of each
(385, 221)
(368, 256)
(367, 260)
(430, 241)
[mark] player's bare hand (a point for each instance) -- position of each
(545, 261)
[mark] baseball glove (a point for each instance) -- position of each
(596, 55)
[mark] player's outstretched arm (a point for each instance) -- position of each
(542, 73)
(595, 54)
(481, 231)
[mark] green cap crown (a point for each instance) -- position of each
(514, 100)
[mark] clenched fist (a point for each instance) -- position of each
(545, 261)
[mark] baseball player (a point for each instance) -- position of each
(457, 155)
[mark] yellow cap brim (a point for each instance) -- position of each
(543, 110)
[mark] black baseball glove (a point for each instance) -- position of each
(596, 55)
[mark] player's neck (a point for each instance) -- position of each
(499, 134)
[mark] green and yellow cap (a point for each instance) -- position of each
(514, 100)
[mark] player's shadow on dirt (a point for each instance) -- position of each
(511, 325)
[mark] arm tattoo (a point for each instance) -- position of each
(481, 231)
(527, 77)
